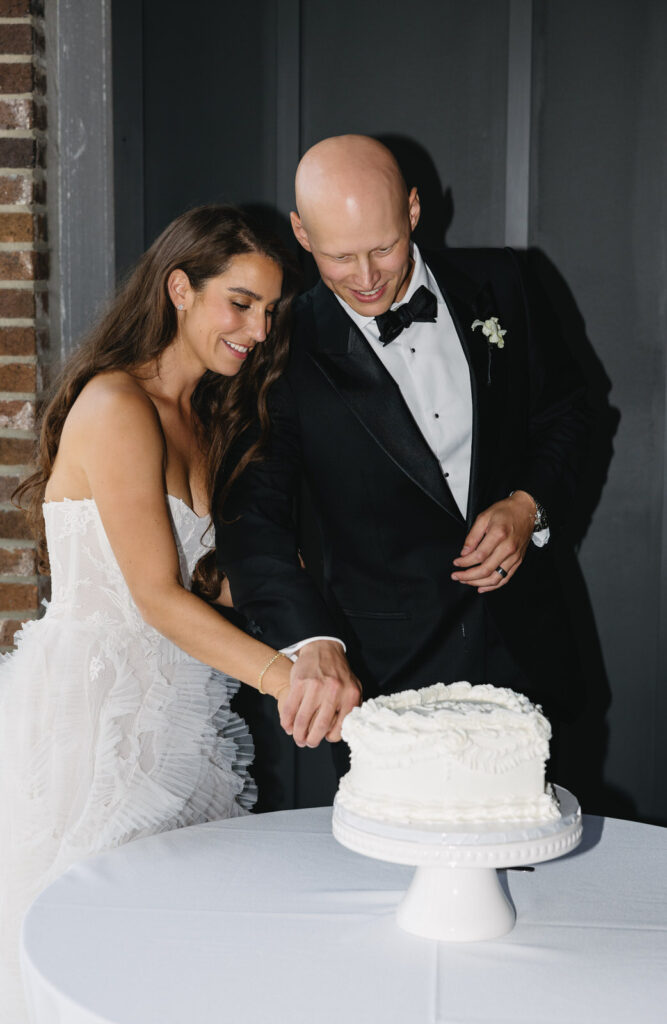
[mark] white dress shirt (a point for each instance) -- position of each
(428, 364)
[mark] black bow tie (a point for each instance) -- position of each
(422, 306)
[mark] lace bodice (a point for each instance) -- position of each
(86, 580)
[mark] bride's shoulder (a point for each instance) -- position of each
(111, 426)
(111, 399)
(110, 416)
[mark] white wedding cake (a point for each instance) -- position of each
(448, 754)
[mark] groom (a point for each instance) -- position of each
(438, 433)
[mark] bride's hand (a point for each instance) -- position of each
(323, 689)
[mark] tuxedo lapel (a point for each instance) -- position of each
(468, 301)
(370, 392)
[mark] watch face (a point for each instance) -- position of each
(540, 517)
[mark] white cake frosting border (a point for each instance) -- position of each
(543, 808)
(520, 734)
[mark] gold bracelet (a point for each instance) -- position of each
(278, 654)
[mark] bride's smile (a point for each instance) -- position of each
(220, 325)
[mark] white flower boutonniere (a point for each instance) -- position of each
(492, 330)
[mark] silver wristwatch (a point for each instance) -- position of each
(541, 521)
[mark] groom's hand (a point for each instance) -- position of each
(323, 689)
(498, 539)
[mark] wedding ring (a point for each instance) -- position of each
(501, 571)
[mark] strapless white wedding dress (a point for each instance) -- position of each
(108, 731)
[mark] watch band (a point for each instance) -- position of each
(541, 520)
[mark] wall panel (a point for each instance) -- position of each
(598, 213)
(431, 73)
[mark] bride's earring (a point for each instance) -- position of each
(180, 306)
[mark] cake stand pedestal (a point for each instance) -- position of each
(456, 894)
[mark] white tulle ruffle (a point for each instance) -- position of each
(104, 739)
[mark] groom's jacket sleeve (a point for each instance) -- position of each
(256, 538)
(559, 416)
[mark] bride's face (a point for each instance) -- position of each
(222, 323)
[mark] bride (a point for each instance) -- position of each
(114, 709)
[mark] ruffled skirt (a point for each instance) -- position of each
(106, 738)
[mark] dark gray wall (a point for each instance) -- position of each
(195, 111)
(431, 72)
(598, 212)
(219, 107)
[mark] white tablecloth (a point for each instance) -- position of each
(268, 920)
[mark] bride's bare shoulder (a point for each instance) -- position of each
(111, 399)
(111, 423)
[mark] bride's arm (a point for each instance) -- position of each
(116, 437)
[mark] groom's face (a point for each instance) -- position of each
(362, 247)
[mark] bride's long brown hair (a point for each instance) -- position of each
(141, 322)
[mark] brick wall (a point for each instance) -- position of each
(23, 291)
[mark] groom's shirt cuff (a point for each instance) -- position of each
(541, 537)
(293, 649)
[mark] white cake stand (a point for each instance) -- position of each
(456, 894)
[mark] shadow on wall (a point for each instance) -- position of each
(437, 204)
(584, 741)
(277, 222)
(273, 220)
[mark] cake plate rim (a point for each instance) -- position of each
(475, 844)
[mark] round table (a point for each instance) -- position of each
(268, 919)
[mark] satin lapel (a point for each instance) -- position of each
(467, 301)
(370, 392)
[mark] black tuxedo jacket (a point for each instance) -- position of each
(389, 525)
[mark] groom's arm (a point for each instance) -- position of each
(558, 428)
(560, 415)
(257, 549)
(256, 539)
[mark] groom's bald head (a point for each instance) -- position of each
(355, 215)
(346, 173)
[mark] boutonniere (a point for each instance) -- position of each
(494, 334)
(492, 330)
